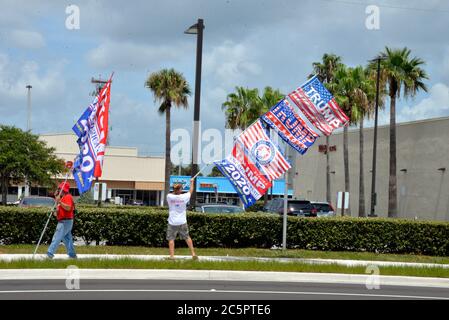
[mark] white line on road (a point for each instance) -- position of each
(229, 291)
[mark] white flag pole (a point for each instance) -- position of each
(284, 220)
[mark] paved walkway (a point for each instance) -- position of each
(348, 263)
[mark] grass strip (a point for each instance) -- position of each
(125, 263)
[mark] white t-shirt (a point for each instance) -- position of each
(177, 204)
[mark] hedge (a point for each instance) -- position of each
(146, 227)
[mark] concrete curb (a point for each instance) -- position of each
(348, 263)
(219, 275)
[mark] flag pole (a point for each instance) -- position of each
(284, 218)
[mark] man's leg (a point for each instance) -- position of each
(190, 244)
(57, 237)
(171, 248)
(68, 239)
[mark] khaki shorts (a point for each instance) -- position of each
(172, 232)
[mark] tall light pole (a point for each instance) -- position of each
(373, 177)
(198, 30)
(29, 108)
(27, 188)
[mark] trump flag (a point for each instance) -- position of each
(92, 132)
(319, 106)
(262, 151)
(290, 127)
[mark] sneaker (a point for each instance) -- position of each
(48, 256)
(195, 257)
(171, 258)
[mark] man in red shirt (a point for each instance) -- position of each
(64, 213)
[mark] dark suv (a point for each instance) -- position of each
(300, 208)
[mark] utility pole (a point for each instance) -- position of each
(99, 85)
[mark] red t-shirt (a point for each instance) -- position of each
(63, 214)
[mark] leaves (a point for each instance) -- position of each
(147, 227)
(23, 155)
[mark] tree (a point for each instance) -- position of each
(215, 173)
(171, 89)
(402, 73)
(245, 106)
(24, 156)
(185, 170)
(325, 71)
(355, 90)
(240, 107)
(269, 98)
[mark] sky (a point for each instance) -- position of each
(249, 43)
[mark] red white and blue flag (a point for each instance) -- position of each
(290, 127)
(319, 106)
(262, 151)
(92, 132)
(249, 183)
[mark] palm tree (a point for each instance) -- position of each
(325, 70)
(402, 73)
(240, 108)
(171, 89)
(269, 98)
(364, 107)
(349, 87)
(245, 106)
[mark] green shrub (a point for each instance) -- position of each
(138, 226)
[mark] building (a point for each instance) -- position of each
(422, 170)
(126, 175)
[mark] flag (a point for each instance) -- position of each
(252, 171)
(262, 151)
(290, 127)
(248, 189)
(92, 132)
(319, 106)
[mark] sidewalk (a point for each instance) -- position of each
(348, 263)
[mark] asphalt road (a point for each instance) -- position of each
(207, 290)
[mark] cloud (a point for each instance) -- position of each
(130, 55)
(25, 39)
(435, 105)
(231, 63)
(48, 93)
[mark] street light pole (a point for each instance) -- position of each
(198, 30)
(373, 178)
(27, 188)
(29, 108)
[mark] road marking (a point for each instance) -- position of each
(230, 291)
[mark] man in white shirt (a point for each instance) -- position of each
(177, 219)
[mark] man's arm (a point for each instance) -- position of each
(63, 205)
(192, 185)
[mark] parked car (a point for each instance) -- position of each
(219, 208)
(300, 208)
(324, 209)
(135, 203)
(35, 201)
